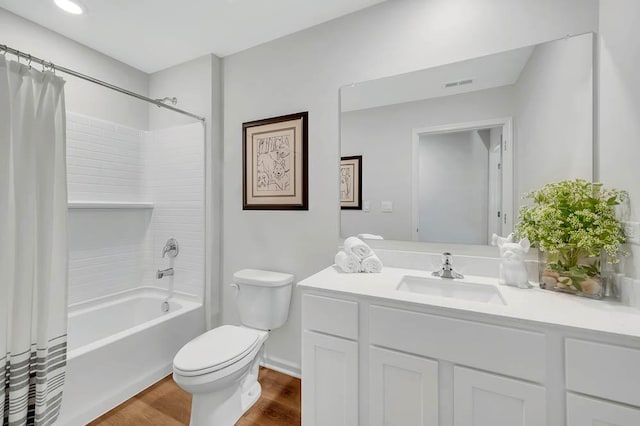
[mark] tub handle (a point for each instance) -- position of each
(236, 286)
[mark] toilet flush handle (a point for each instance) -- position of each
(236, 286)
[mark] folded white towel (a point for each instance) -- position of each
(370, 237)
(357, 247)
(347, 262)
(372, 264)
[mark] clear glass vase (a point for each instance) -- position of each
(584, 279)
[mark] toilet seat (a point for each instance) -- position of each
(216, 349)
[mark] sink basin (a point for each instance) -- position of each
(440, 287)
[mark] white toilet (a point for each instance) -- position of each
(220, 367)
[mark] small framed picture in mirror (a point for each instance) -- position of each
(274, 164)
(351, 182)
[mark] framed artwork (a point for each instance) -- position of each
(274, 163)
(351, 182)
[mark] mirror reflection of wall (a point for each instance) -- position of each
(448, 189)
(459, 207)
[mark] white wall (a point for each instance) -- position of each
(81, 96)
(303, 72)
(619, 106)
(553, 127)
(383, 136)
(190, 82)
(453, 188)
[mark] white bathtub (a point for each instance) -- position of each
(120, 345)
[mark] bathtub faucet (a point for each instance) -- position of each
(171, 248)
(164, 273)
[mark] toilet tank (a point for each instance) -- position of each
(263, 297)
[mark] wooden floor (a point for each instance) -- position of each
(165, 404)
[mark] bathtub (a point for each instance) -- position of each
(119, 345)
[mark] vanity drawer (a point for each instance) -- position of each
(607, 371)
(508, 351)
(331, 316)
(582, 410)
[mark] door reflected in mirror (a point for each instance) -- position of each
(448, 152)
(455, 167)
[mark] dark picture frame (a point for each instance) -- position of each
(275, 172)
(351, 182)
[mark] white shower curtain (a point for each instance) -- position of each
(33, 244)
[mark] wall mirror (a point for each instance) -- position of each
(449, 152)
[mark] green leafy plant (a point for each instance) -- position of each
(573, 221)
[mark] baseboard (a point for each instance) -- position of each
(282, 366)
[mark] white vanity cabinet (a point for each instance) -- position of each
(373, 361)
(609, 372)
(403, 389)
(329, 362)
(488, 399)
(331, 390)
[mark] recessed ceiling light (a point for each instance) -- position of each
(69, 6)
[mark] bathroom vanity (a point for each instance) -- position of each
(403, 348)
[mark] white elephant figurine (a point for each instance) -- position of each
(513, 270)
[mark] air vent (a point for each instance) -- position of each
(458, 83)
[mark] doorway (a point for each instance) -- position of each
(462, 186)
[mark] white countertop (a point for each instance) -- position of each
(535, 304)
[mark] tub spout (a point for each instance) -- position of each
(164, 273)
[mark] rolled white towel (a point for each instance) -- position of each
(347, 262)
(357, 247)
(370, 237)
(372, 264)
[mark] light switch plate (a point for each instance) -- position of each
(366, 206)
(387, 206)
(632, 232)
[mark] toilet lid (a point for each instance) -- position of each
(216, 349)
(262, 278)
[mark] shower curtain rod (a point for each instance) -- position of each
(54, 67)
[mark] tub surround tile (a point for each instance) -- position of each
(106, 248)
(119, 249)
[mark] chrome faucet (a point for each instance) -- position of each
(164, 273)
(446, 270)
(171, 248)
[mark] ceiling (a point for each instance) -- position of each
(497, 70)
(155, 34)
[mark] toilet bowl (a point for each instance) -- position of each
(220, 367)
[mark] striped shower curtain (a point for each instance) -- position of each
(33, 244)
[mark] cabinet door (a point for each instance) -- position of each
(403, 389)
(584, 411)
(329, 380)
(483, 399)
